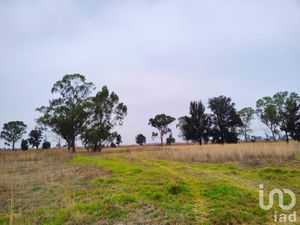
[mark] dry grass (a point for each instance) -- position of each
(34, 155)
(247, 153)
(35, 180)
(27, 172)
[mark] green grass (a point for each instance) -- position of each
(159, 192)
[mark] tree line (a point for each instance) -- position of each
(76, 113)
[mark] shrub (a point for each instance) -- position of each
(46, 145)
(24, 145)
(170, 140)
(140, 139)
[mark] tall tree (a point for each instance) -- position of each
(105, 111)
(13, 131)
(288, 106)
(161, 122)
(267, 111)
(140, 139)
(186, 131)
(225, 120)
(246, 115)
(35, 137)
(196, 126)
(66, 114)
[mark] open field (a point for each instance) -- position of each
(181, 184)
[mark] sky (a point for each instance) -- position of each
(157, 55)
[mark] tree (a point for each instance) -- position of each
(140, 139)
(186, 131)
(288, 107)
(35, 137)
(267, 111)
(296, 134)
(105, 111)
(118, 139)
(114, 139)
(24, 145)
(46, 145)
(170, 140)
(13, 131)
(225, 120)
(246, 115)
(196, 126)
(66, 114)
(161, 122)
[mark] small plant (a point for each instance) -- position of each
(175, 188)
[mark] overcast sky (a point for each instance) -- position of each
(157, 55)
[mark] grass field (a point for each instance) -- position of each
(180, 184)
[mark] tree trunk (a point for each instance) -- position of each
(286, 137)
(72, 145)
(13, 145)
(273, 135)
(161, 139)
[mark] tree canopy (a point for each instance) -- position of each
(140, 139)
(225, 120)
(161, 122)
(35, 137)
(246, 115)
(195, 127)
(13, 132)
(105, 111)
(288, 108)
(66, 115)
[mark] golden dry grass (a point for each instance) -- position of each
(246, 153)
(48, 180)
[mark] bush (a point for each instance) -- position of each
(140, 139)
(46, 145)
(170, 140)
(175, 188)
(24, 145)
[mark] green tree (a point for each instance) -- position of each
(118, 139)
(46, 145)
(105, 111)
(35, 137)
(267, 111)
(170, 140)
(288, 106)
(225, 120)
(161, 122)
(246, 115)
(140, 139)
(186, 131)
(195, 127)
(24, 145)
(13, 131)
(66, 115)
